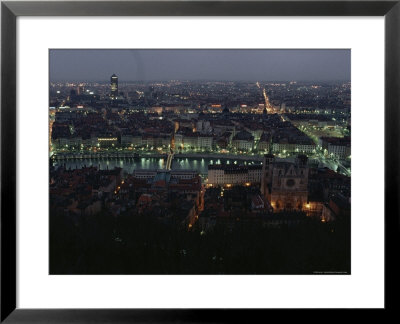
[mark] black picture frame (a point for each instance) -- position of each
(10, 10)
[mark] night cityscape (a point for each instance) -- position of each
(173, 167)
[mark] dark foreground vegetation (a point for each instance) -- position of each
(139, 244)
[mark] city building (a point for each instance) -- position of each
(107, 140)
(193, 141)
(265, 143)
(178, 174)
(295, 146)
(285, 184)
(243, 141)
(336, 147)
(114, 87)
(231, 174)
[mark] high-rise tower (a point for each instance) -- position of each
(114, 86)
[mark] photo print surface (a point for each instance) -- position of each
(200, 161)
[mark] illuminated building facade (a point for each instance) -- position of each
(114, 86)
(107, 140)
(228, 174)
(285, 184)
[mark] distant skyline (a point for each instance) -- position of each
(200, 64)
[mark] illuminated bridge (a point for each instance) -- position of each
(170, 154)
(169, 160)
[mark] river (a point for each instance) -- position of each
(130, 164)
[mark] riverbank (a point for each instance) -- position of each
(180, 162)
(131, 161)
(129, 155)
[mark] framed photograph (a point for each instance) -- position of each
(192, 161)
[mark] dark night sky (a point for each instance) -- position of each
(137, 65)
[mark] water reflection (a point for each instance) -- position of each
(129, 165)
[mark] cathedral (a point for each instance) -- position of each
(284, 184)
